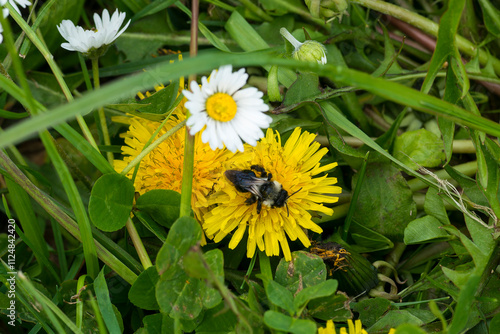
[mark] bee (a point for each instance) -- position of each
(263, 189)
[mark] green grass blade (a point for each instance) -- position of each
(105, 306)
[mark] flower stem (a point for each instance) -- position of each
(289, 37)
(100, 111)
(429, 27)
(187, 174)
(138, 245)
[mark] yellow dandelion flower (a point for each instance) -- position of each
(293, 166)
(329, 329)
(353, 328)
(162, 168)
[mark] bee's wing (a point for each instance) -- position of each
(245, 181)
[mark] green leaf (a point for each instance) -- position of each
(104, 302)
(161, 102)
(280, 296)
(385, 202)
(495, 323)
(491, 17)
(423, 230)
(151, 225)
(323, 289)
(394, 318)
(464, 303)
(160, 204)
(180, 296)
(367, 240)
(434, 206)
(111, 201)
(469, 186)
(409, 329)
(166, 258)
(185, 232)
(419, 147)
(306, 86)
(303, 271)
(142, 292)
(279, 321)
(371, 310)
(217, 320)
(334, 307)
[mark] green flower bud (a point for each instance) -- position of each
(327, 9)
(308, 51)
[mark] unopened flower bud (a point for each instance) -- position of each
(308, 51)
(327, 9)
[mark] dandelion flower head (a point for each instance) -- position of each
(162, 168)
(84, 41)
(294, 166)
(225, 113)
(353, 328)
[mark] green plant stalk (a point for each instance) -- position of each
(429, 27)
(138, 245)
(99, 319)
(187, 176)
(124, 88)
(62, 170)
(50, 308)
(55, 211)
(256, 10)
(151, 147)
(58, 240)
(100, 111)
(187, 173)
(55, 69)
(354, 199)
(223, 290)
(80, 286)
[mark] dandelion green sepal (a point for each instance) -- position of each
(310, 50)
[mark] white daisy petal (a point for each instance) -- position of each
(106, 32)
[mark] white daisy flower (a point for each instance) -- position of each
(22, 3)
(5, 12)
(308, 51)
(85, 40)
(227, 113)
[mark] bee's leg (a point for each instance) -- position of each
(259, 205)
(259, 169)
(250, 200)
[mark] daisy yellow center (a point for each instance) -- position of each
(221, 107)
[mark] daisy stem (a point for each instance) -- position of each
(151, 147)
(138, 245)
(49, 58)
(289, 37)
(187, 174)
(100, 111)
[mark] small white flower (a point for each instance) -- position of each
(227, 113)
(308, 51)
(85, 40)
(22, 3)
(5, 12)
